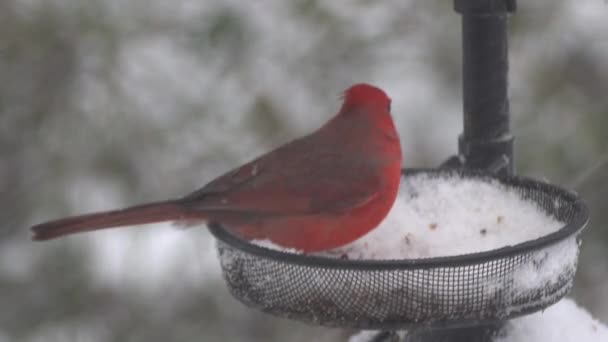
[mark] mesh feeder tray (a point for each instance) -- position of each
(394, 294)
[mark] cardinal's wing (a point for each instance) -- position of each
(326, 181)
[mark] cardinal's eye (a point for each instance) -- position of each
(389, 107)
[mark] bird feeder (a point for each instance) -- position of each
(454, 298)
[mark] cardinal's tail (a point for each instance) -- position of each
(140, 214)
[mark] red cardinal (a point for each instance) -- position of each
(315, 193)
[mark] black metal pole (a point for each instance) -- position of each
(486, 142)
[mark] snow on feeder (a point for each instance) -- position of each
(528, 272)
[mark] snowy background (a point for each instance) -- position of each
(108, 103)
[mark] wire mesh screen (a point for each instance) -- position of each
(387, 294)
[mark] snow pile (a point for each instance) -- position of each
(443, 216)
(435, 216)
(562, 322)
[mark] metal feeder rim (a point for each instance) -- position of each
(570, 229)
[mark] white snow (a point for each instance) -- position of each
(442, 216)
(369, 335)
(270, 245)
(545, 266)
(562, 322)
